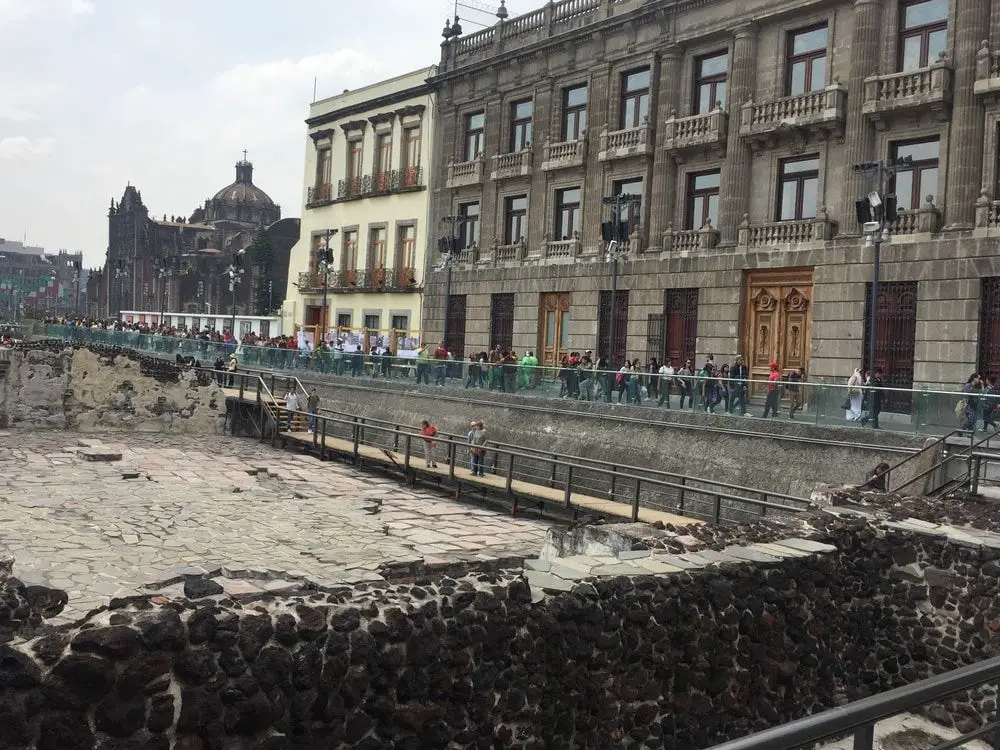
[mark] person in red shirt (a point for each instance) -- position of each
(773, 391)
(428, 432)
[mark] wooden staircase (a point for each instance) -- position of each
(300, 422)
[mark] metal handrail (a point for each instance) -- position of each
(563, 456)
(861, 716)
(618, 474)
(964, 453)
(922, 451)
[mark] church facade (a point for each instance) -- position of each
(180, 264)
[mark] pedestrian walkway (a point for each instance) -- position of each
(633, 494)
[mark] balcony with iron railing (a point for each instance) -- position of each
(707, 131)
(463, 173)
(987, 70)
(564, 155)
(817, 111)
(319, 195)
(388, 182)
(925, 90)
(796, 232)
(508, 166)
(368, 280)
(621, 144)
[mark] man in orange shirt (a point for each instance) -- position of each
(428, 432)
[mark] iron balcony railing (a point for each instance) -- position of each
(370, 280)
(381, 183)
(319, 193)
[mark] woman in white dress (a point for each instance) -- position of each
(854, 384)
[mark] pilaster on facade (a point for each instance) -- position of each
(622, 144)
(777, 233)
(987, 71)
(565, 155)
(816, 113)
(707, 132)
(465, 173)
(509, 166)
(910, 92)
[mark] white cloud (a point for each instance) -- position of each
(275, 77)
(22, 147)
(12, 11)
(81, 7)
(12, 113)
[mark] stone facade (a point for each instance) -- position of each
(101, 390)
(769, 271)
(644, 649)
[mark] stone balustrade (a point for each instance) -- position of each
(690, 240)
(786, 232)
(822, 110)
(987, 70)
(697, 131)
(926, 89)
(621, 144)
(516, 164)
(465, 173)
(563, 248)
(987, 212)
(515, 253)
(564, 155)
(924, 220)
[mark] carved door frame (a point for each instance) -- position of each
(777, 319)
(556, 303)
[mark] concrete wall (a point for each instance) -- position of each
(783, 461)
(109, 390)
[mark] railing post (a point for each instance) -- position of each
(552, 474)
(510, 471)
(361, 431)
(614, 478)
(322, 450)
(355, 437)
(974, 477)
(680, 496)
(406, 454)
(864, 738)
(718, 509)
(569, 479)
(395, 440)
(635, 501)
(452, 457)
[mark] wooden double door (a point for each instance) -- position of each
(777, 320)
(553, 328)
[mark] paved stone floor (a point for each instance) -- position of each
(176, 505)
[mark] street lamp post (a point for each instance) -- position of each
(325, 261)
(615, 232)
(876, 213)
(235, 272)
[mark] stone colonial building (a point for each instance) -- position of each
(178, 264)
(738, 124)
(364, 193)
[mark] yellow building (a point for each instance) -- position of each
(365, 195)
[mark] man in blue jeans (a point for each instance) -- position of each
(313, 405)
(738, 377)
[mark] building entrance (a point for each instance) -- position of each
(777, 320)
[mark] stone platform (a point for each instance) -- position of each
(175, 507)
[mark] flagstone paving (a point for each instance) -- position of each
(188, 505)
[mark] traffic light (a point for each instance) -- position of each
(614, 230)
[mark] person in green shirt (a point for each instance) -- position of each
(529, 370)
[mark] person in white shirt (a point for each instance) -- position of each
(291, 406)
(666, 381)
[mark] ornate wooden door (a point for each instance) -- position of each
(680, 310)
(895, 339)
(778, 320)
(553, 328)
(989, 326)
(455, 334)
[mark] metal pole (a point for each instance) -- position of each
(326, 272)
(876, 272)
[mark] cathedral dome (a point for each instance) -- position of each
(243, 191)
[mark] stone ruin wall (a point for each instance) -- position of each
(54, 386)
(486, 659)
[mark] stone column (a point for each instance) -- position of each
(859, 140)
(735, 194)
(661, 192)
(965, 140)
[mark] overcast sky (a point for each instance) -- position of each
(98, 93)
